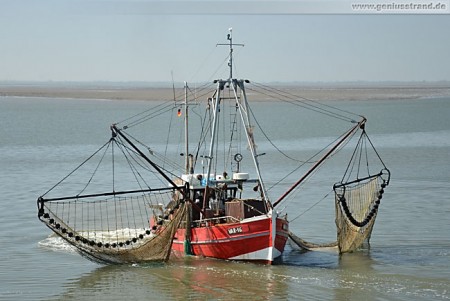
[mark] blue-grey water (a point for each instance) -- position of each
(42, 139)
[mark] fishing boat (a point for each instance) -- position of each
(215, 203)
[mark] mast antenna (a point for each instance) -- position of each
(230, 44)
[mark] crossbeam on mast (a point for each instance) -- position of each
(230, 44)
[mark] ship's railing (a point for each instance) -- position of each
(215, 220)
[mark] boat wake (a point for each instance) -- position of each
(55, 243)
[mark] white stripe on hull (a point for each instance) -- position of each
(267, 254)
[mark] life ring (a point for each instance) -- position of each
(238, 157)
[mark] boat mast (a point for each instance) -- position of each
(230, 58)
(215, 102)
(186, 130)
(243, 108)
(230, 61)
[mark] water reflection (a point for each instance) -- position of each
(355, 275)
(325, 275)
(349, 276)
(357, 262)
(188, 279)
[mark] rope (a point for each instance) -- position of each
(271, 142)
(311, 207)
(78, 167)
(357, 157)
(310, 160)
(98, 165)
(316, 106)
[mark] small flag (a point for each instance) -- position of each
(179, 113)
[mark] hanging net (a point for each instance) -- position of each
(357, 205)
(357, 199)
(135, 220)
(116, 229)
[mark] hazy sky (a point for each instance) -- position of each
(139, 40)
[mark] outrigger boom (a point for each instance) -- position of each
(217, 212)
(359, 125)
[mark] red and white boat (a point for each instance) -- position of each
(227, 213)
(260, 239)
(224, 223)
(217, 205)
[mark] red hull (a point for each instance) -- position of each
(252, 239)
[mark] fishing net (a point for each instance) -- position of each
(356, 201)
(310, 246)
(116, 213)
(356, 206)
(116, 229)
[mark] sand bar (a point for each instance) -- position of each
(315, 92)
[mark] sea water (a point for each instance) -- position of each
(42, 139)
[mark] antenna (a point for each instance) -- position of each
(230, 43)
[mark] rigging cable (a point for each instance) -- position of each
(315, 155)
(361, 144)
(203, 63)
(202, 122)
(233, 123)
(160, 109)
(273, 144)
(136, 175)
(169, 129)
(203, 133)
(311, 207)
(98, 165)
(113, 171)
(164, 159)
(78, 167)
(159, 166)
(295, 100)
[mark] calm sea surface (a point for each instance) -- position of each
(42, 139)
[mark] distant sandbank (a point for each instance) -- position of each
(314, 92)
